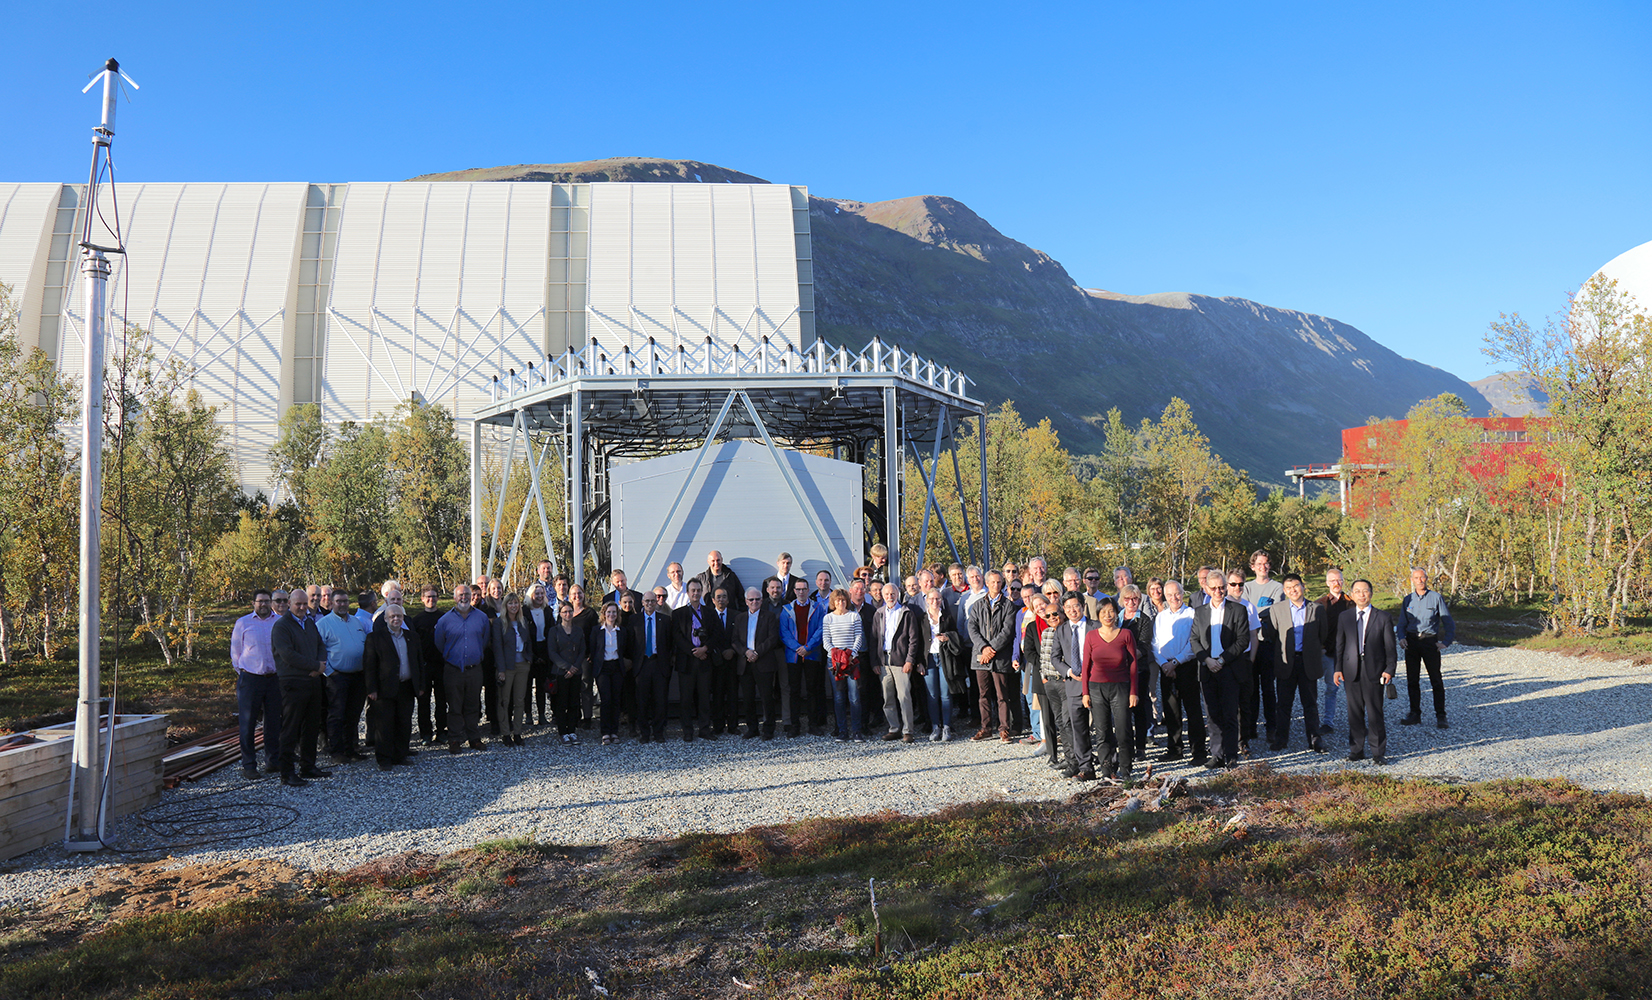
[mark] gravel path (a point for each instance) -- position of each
(1514, 714)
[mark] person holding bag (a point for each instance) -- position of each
(844, 636)
(513, 666)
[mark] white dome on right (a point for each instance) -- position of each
(1632, 270)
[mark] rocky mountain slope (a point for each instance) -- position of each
(1514, 393)
(1271, 387)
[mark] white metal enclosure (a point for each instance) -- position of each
(739, 504)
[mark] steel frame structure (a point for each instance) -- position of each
(592, 406)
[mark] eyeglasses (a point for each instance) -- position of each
(1234, 585)
(1093, 579)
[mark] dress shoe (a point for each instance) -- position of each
(1357, 755)
(1085, 774)
(314, 772)
(1214, 763)
(1199, 760)
(477, 744)
(1316, 745)
(386, 767)
(643, 738)
(688, 737)
(891, 735)
(293, 781)
(455, 747)
(1325, 730)
(1412, 719)
(1277, 745)
(768, 734)
(409, 753)
(250, 773)
(1005, 737)
(749, 734)
(1379, 760)
(906, 737)
(272, 768)
(1172, 753)
(982, 735)
(1441, 723)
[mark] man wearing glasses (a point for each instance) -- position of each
(257, 690)
(1221, 644)
(1249, 688)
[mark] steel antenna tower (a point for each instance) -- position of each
(86, 777)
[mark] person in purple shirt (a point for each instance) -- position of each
(257, 691)
(463, 635)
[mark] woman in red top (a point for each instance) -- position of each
(1109, 686)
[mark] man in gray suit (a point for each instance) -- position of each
(1298, 665)
(1366, 654)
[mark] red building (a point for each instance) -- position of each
(1504, 442)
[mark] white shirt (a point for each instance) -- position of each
(610, 643)
(675, 596)
(751, 630)
(1217, 606)
(400, 642)
(891, 621)
(1080, 630)
(1173, 635)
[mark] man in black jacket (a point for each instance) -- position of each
(433, 699)
(1221, 639)
(725, 678)
(894, 652)
(717, 575)
(295, 644)
(754, 635)
(696, 635)
(395, 676)
(652, 643)
(992, 633)
(1366, 655)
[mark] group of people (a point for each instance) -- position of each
(1093, 677)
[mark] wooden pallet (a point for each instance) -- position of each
(34, 780)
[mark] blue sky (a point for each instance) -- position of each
(1411, 169)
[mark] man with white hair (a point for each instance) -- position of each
(391, 592)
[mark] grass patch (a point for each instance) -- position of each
(1337, 885)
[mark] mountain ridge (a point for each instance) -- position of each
(1271, 387)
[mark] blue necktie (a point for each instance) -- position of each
(650, 635)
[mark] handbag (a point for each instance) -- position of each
(1391, 690)
(845, 664)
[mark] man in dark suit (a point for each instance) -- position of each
(701, 641)
(652, 642)
(1221, 639)
(295, 645)
(1067, 658)
(725, 677)
(617, 578)
(1299, 628)
(394, 665)
(1366, 654)
(788, 579)
(893, 648)
(754, 635)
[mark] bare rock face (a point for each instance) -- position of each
(1271, 388)
(1515, 394)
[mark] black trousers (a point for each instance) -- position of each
(626, 698)
(1221, 691)
(694, 683)
(303, 713)
(1141, 717)
(1424, 651)
(1297, 682)
(725, 694)
(346, 697)
(652, 681)
(1078, 725)
(795, 706)
(258, 695)
(490, 695)
(390, 720)
(539, 691)
(1367, 730)
(565, 702)
(433, 712)
(1180, 697)
(1110, 715)
(760, 689)
(1255, 684)
(813, 689)
(464, 702)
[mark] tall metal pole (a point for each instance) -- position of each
(475, 499)
(576, 482)
(986, 515)
(892, 483)
(95, 266)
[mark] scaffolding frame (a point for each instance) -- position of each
(593, 406)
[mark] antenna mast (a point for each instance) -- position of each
(86, 776)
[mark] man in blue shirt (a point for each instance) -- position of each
(1424, 625)
(463, 635)
(345, 641)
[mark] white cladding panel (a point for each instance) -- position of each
(691, 261)
(26, 215)
(739, 504)
(437, 287)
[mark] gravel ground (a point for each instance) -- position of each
(1513, 713)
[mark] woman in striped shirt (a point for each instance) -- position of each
(843, 635)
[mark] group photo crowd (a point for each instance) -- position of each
(1095, 671)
